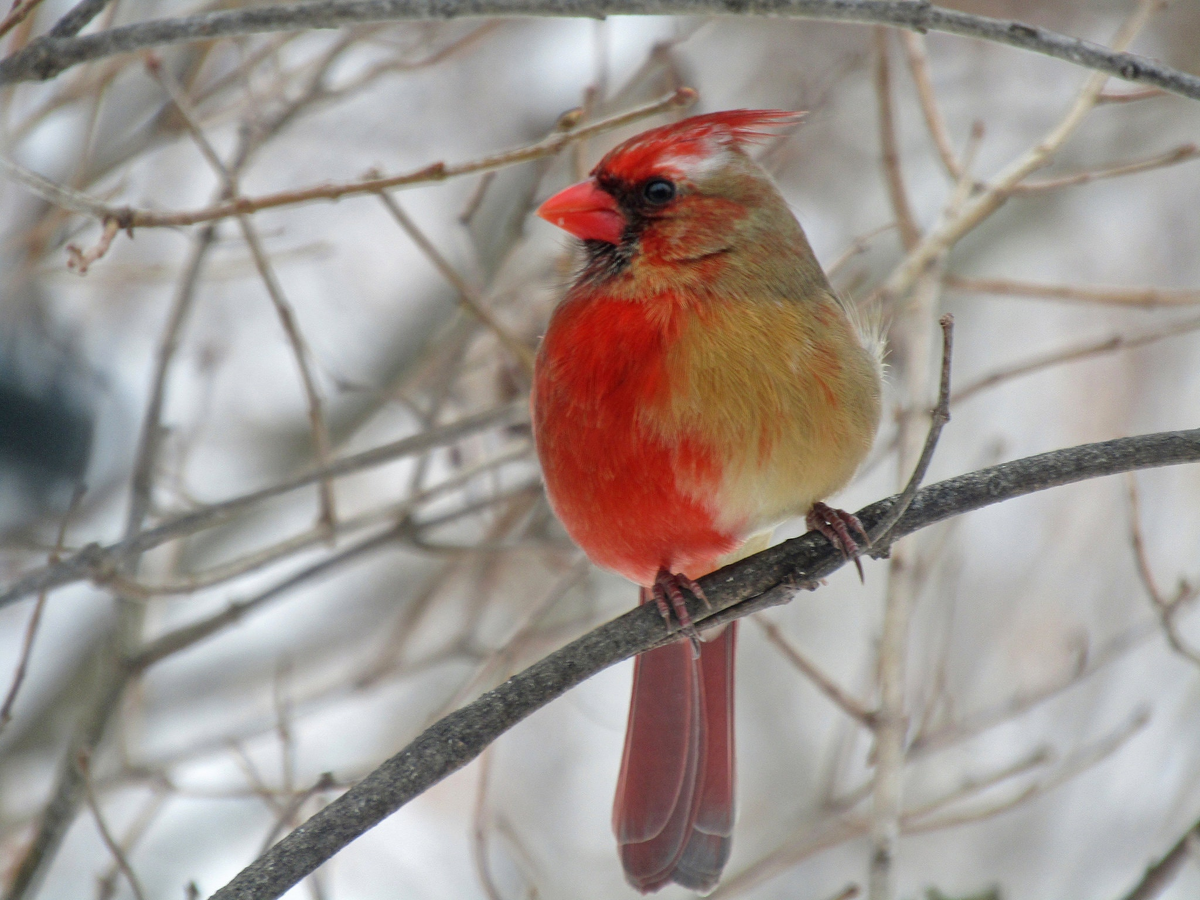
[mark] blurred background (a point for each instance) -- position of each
(292, 640)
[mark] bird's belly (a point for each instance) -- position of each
(616, 491)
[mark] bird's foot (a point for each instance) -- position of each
(836, 525)
(667, 592)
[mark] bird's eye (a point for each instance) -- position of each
(658, 191)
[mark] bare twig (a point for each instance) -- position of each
(250, 562)
(130, 217)
(976, 723)
(1074, 354)
(134, 833)
(918, 64)
(80, 260)
(857, 246)
(468, 296)
(35, 617)
(113, 674)
(1182, 153)
(910, 234)
(938, 419)
(848, 704)
(286, 816)
(20, 10)
(322, 450)
(1147, 297)
(1130, 96)
(1079, 761)
(110, 842)
(1166, 607)
(187, 635)
(479, 830)
(77, 18)
(975, 785)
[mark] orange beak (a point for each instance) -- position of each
(585, 211)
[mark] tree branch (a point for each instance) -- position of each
(47, 56)
(1160, 875)
(767, 578)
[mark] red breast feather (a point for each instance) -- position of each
(601, 377)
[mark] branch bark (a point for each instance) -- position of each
(47, 56)
(1161, 873)
(765, 579)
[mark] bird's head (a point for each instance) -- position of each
(679, 192)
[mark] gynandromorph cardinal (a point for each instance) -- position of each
(699, 383)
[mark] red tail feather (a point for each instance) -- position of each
(673, 814)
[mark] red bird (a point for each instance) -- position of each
(699, 383)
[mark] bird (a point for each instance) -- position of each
(699, 383)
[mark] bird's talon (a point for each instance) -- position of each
(668, 596)
(835, 525)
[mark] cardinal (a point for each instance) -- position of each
(699, 383)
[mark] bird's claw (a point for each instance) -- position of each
(667, 592)
(836, 525)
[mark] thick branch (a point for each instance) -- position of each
(767, 578)
(48, 56)
(1161, 873)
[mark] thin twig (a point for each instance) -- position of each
(1182, 153)
(35, 617)
(322, 451)
(1166, 607)
(1079, 761)
(910, 234)
(479, 830)
(130, 217)
(286, 815)
(468, 296)
(938, 419)
(112, 676)
(976, 785)
(250, 562)
(823, 683)
(80, 260)
(857, 246)
(1074, 354)
(105, 835)
(20, 10)
(186, 635)
(918, 64)
(1130, 96)
(976, 723)
(77, 18)
(160, 793)
(1147, 297)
